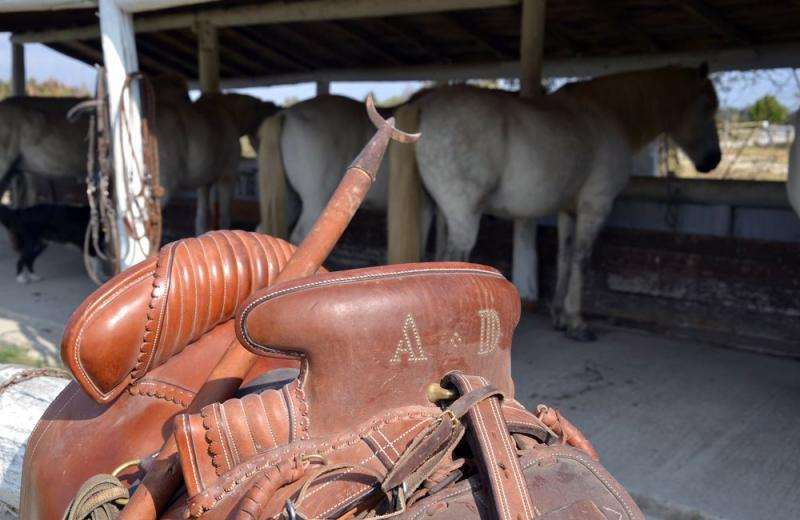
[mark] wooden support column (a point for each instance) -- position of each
(17, 69)
(207, 56)
(531, 47)
(323, 88)
(525, 265)
(119, 54)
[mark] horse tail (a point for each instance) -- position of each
(404, 212)
(272, 178)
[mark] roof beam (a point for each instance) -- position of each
(273, 12)
(713, 19)
(759, 57)
(364, 42)
(621, 23)
(241, 39)
(473, 34)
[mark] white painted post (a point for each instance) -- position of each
(17, 69)
(119, 54)
(323, 88)
(525, 264)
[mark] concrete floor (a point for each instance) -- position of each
(693, 431)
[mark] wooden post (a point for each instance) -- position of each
(531, 48)
(17, 69)
(525, 264)
(119, 54)
(323, 88)
(207, 56)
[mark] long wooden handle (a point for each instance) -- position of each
(164, 478)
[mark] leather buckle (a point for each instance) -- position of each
(454, 421)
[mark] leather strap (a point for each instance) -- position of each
(490, 441)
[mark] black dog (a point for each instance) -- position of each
(30, 229)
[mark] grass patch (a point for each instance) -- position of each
(11, 355)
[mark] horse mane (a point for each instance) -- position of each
(646, 102)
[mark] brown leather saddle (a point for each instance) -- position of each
(398, 403)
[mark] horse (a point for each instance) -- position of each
(302, 153)
(793, 180)
(568, 153)
(198, 142)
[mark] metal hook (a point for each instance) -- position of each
(380, 122)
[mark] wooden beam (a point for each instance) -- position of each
(128, 6)
(17, 69)
(364, 42)
(621, 23)
(207, 57)
(531, 47)
(760, 57)
(323, 88)
(244, 42)
(274, 12)
(715, 20)
(277, 46)
(471, 33)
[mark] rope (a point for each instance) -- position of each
(100, 173)
(30, 373)
(102, 497)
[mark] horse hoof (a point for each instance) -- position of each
(22, 278)
(33, 277)
(582, 334)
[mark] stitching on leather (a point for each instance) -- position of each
(491, 463)
(214, 410)
(145, 358)
(266, 415)
(196, 300)
(391, 444)
(289, 413)
(198, 482)
(206, 263)
(79, 339)
(50, 422)
(512, 457)
(247, 422)
(222, 274)
(170, 393)
(366, 487)
(363, 462)
(235, 455)
(337, 281)
(591, 467)
(289, 453)
(442, 499)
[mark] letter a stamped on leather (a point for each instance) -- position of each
(410, 344)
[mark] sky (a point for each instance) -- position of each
(42, 63)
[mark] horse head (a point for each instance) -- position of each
(248, 112)
(694, 127)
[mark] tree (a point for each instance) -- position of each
(768, 109)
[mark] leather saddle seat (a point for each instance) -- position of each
(370, 342)
(140, 347)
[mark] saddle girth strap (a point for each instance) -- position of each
(491, 443)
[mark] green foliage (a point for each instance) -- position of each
(768, 109)
(48, 87)
(10, 355)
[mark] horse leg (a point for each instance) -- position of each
(462, 233)
(589, 222)
(525, 265)
(441, 234)
(428, 215)
(225, 193)
(201, 217)
(566, 236)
